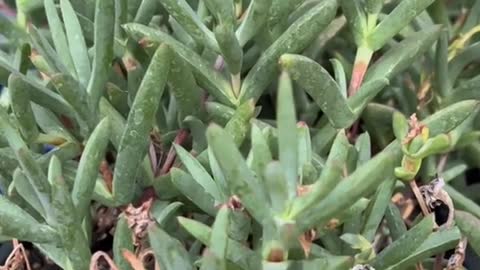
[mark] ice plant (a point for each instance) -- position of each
(240, 134)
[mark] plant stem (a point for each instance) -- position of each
(419, 197)
(460, 43)
(442, 163)
(362, 60)
(423, 206)
(236, 83)
(22, 19)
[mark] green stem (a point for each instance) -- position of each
(419, 197)
(362, 60)
(236, 84)
(238, 8)
(22, 19)
(371, 22)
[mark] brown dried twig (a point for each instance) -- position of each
(456, 260)
(17, 258)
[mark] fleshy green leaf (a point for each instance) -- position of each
(376, 210)
(437, 242)
(198, 173)
(58, 36)
(374, 6)
(402, 55)
(465, 90)
(219, 237)
(145, 11)
(462, 202)
(340, 76)
(50, 124)
(51, 61)
(462, 59)
(17, 223)
(88, 167)
(224, 12)
(11, 30)
(76, 42)
(365, 94)
(304, 147)
(163, 212)
(400, 126)
(356, 19)
(301, 33)
(26, 190)
(450, 117)
(236, 252)
(117, 125)
(442, 82)
(405, 245)
(395, 222)
(239, 124)
(400, 17)
(255, 19)
(22, 110)
(21, 59)
(287, 134)
(183, 86)
(219, 113)
(122, 240)
(329, 178)
(218, 174)
(321, 87)
(65, 220)
(435, 145)
(197, 131)
(363, 145)
(454, 172)
(30, 167)
(169, 252)
(134, 142)
(209, 78)
(75, 95)
(357, 241)
(103, 46)
(347, 192)
(240, 179)
(193, 191)
(277, 186)
(230, 47)
(260, 154)
(469, 225)
(40, 94)
(185, 16)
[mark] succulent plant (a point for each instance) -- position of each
(240, 134)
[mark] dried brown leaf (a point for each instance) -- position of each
(96, 258)
(139, 219)
(132, 259)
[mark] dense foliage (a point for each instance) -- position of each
(240, 134)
